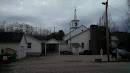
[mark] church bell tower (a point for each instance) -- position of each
(75, 22)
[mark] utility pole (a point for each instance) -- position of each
(107, 31)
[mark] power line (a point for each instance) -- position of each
(120, 12)
(127, 24)
(116, 9)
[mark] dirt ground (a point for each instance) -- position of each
(65, 64)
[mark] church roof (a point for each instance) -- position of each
(62, 42)
(75, 29)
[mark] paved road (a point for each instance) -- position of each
(65, 64)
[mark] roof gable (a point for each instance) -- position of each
(32, 38)
(10, 37)
(80, 33)
(52, 41)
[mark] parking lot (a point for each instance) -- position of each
(65, 64)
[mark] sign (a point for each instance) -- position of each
(101, 51)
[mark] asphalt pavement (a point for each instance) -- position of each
(65, 64)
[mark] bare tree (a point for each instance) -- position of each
(10, 28)
(40, 33)
(114, 28)
(102, 20)
(127, 22)
(2, 29)
(128, 3)
(112, 25)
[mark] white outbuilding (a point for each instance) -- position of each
(14, 41)
(24, 45)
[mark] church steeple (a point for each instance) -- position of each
(74, 22)
(75, 15)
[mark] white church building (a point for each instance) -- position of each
(78, 37)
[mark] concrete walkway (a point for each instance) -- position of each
(65, 64)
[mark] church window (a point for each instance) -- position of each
(82, 45)
(28, 45)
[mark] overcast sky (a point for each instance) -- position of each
(58, 13)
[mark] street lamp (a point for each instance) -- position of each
(107, 31)
(103, 3)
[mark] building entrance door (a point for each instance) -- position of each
(52, 49)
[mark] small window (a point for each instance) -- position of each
(82, 45)
(29, 45)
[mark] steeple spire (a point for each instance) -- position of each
(75, 15)
(75, 22)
